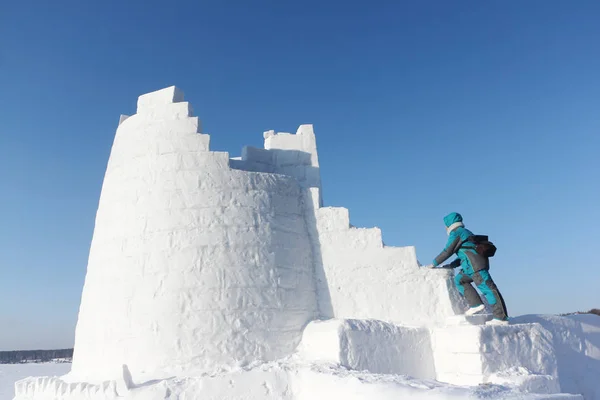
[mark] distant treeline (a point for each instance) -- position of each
(595, 311)
(20, 356)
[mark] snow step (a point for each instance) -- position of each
(469, 355)
(369, 345)
(477, 319)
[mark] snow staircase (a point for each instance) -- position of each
(465, 352)
(358, 277)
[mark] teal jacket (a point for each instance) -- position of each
(458, 235)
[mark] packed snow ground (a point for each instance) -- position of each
(288, 379)
(10, 373)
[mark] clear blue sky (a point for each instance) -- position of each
(491, 109)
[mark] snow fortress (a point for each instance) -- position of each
(226, 278)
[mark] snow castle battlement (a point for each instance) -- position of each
(226, 278)
(201, 262)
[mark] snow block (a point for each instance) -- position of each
(252, 154)
(287, 158)
(306, 130)
(168, 111)
(333, 219)
(139, 124)
(369, 345)
(525, 381)
(159, 98)
(304, 140)
(470, 355)
(362, 279)
(268, 134)
(288, 155)
(576, 340)
(461, 319)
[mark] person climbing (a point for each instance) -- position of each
(475, 268)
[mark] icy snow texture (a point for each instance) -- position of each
(199, 262)
(10, 373)
(469, 355)
(281, 380)
(520, 356)
(193, 266)
(286, 154)
(369, 345)
(576, 342)
(364, 279)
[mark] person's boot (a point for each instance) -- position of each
(497, 321)
(474, 310)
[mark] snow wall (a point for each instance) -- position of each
(201, 263)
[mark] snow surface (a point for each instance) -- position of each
(288, 379)
(225, 278)
(576, 343)
(10, 373)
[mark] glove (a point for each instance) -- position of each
(454, 264)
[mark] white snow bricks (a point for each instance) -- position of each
(199, 262)
(522, 355)
(364, 279)
(576, 342)
(285, 154)
(193, 266)
(519, 356)
(357, 277)
(369, 345)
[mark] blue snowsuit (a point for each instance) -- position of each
(475, 267)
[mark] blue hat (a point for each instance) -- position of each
(452, 218)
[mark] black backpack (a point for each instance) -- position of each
(483, 246)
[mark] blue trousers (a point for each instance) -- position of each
(488, 288)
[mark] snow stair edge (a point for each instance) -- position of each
(520, 356)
